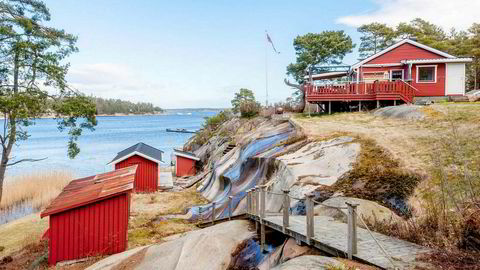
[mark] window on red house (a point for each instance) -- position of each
(427, 74)
(396, 75)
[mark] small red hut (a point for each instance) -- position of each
(90, 216)
(148, 159)
(185, 163)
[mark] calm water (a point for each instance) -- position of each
(112, 135)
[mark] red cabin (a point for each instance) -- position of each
(90, 216)
(185, 164)
(148, 160)
(404, 70)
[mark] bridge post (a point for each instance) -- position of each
(309, 217)
(352, 229)
(213, 213)
(230, 205)
(256, 208)
(249, 203)
(286, 209)
(257, 200)
(262, 216)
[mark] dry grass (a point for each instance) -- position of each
(444, 149)
(38, 189)
(20, 233)
(147, 225)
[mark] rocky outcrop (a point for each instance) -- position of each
(210, 248)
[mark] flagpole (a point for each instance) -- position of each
(266, 70)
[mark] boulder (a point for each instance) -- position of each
(209, 248)
(368, 210)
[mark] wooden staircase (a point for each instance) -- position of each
(228, 149)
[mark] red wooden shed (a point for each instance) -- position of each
(185, 163)
(148, 159)
(90, 216)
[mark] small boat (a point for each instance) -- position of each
(180, 130)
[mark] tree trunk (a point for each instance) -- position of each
(12, 130)
(302, 92)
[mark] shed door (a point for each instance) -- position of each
(455, 79)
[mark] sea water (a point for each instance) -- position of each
(97, 148)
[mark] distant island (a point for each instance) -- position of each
(110, 106)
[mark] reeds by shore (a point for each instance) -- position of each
(37, 189)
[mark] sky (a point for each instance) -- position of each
(190, 54)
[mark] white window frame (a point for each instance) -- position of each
(434, 76)
(403, 73)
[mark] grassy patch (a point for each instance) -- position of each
(145, 231)
(147, 226)
(377, 176)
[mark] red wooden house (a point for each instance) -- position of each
(90, 216)
(148, 160)
(185, 163)
(405, 70)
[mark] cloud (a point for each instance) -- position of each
(446, 13)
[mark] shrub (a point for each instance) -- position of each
(249, 109)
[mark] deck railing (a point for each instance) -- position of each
(373, 91)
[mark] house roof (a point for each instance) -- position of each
(91, 189)
(327, 75)
(185, 154)
(141, 149)
(414, 43)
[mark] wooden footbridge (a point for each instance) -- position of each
(326, 234)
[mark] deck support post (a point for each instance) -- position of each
(329, 107)
(309, 216)
(230, 205)
(360, 106)
(286, 210)
(213, 213)
(378, 104)
(352, 229)
(394, 102)
(262, 216)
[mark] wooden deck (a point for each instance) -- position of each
(396, 90)
(331, 237)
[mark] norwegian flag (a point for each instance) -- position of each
(271, 42)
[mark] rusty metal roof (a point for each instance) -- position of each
(90, 189)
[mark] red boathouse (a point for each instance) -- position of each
(148, 160)
(185, 163)
(90, 216)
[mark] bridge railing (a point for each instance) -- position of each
(256, 207)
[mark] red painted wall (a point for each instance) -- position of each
(430, 89)
(425, 89)
(404, 52)
(185, 166)
(94, 229)
(146, 178)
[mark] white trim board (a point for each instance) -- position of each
(138, 154)
(186, 156)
